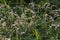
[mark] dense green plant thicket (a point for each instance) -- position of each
(29, 20)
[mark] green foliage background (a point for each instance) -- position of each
(37, 20)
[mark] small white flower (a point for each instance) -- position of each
(7, 39)
(13, 24)
(4, 24)
(53, 24)
(50, 26)
(46, 15)
(15, 12)
(33, 16)
(2, 19)
(32, 5)
(22, 33)
(58, 25)
(16, 23)
(32, 11)
(21, 22)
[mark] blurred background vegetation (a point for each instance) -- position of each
(29, 19)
